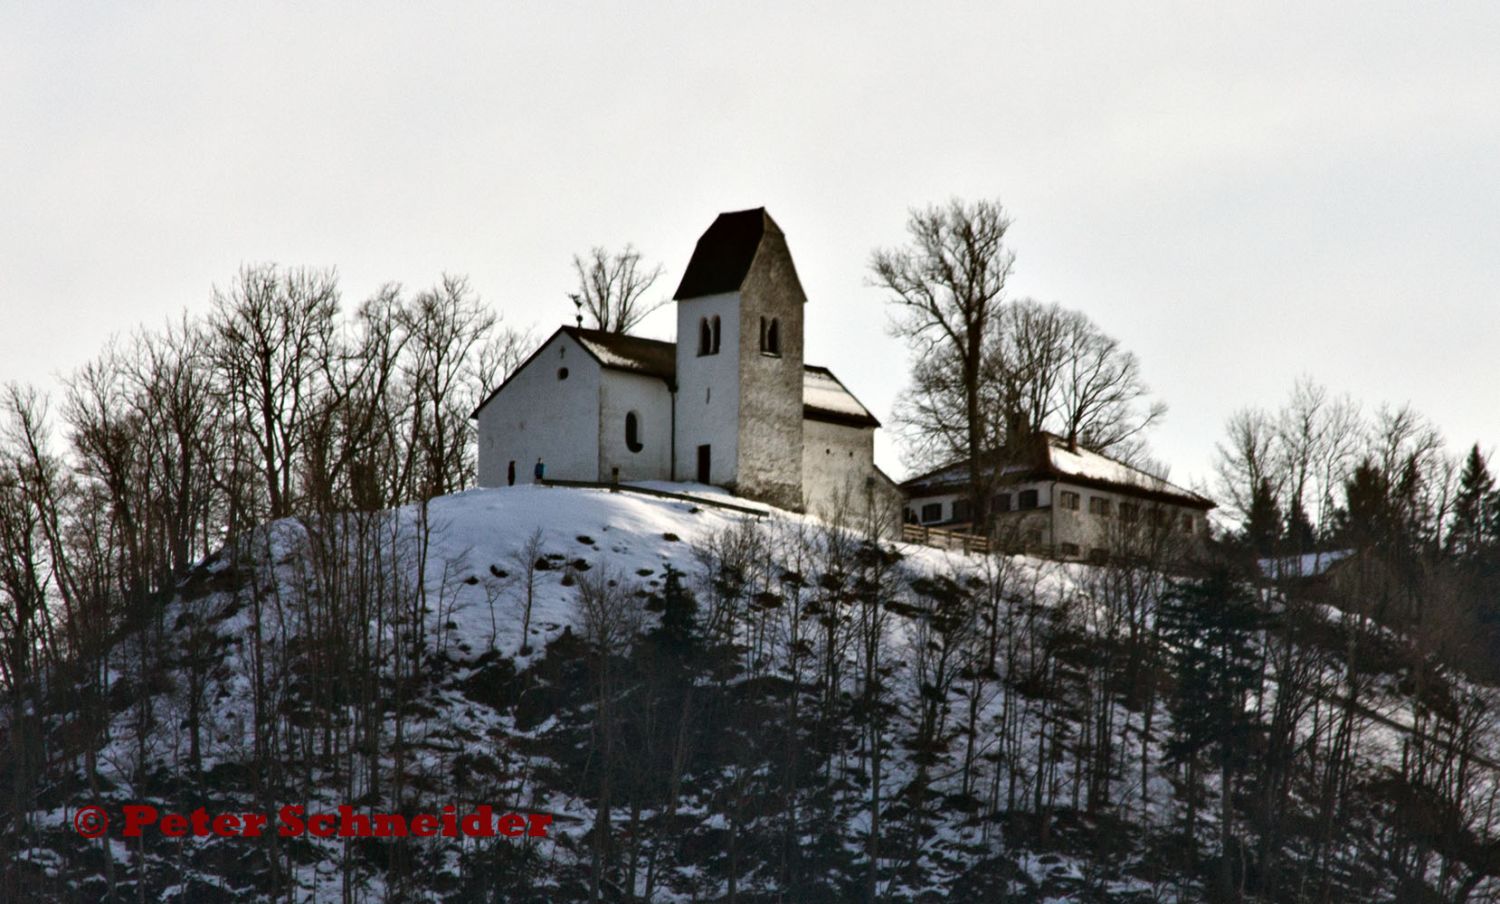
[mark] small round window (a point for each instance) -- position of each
(562, 373)
(633, 432)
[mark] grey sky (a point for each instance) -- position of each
(1241, 193)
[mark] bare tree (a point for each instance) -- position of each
(609, 619)
(271, 329)
(611, 288)
(1051, 368)
(445, 328)
(499, 357)
(1101, 395)
(526, 558)
(1248, 458)
(949, 285)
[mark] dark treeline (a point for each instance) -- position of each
(173, 444)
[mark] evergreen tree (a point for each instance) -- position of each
(1300, 535)
(1367, 518)
(1475, 515)
(676, 636)
(1263, 528)
(1208, 627)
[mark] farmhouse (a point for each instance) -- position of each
(1058, 498)
(730, 403)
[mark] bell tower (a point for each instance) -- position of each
(739, 361)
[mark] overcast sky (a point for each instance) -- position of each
(1240, 193)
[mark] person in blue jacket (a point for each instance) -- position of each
(540, 470)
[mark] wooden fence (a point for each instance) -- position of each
(944, 539)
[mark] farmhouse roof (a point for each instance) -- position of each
(1054, 458)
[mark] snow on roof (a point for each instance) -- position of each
(824, 398)
(955, 474)
(618, 351)
(1056, 461)
(1304, 566)
(1085, 464)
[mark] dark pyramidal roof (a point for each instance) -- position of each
(724, 253)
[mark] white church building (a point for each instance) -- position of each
(730, 403)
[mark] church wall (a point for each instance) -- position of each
(538, 415)
(835, 457)
(708, 389)
(620, 394)
(770, 415)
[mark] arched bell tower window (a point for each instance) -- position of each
(708, 336)
(633, 432)
(770, 336)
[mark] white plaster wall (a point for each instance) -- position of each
(708, 398)
(1059, 525)
(536, 415)
(1090, 531)
(621, 393)
(835, 456)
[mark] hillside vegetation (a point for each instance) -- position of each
(719, 707)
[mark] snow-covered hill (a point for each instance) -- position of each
(996, 718)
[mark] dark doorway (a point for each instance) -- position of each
(704, 459)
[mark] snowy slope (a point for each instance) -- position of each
(469, 568)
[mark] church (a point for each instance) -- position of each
(731, 403)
